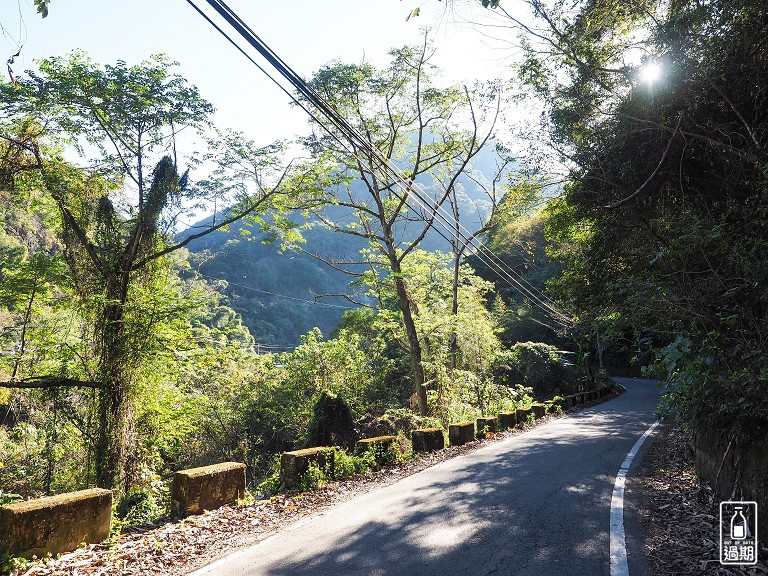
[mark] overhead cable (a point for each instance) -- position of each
(438, 214)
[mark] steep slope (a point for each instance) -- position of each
(274, 290)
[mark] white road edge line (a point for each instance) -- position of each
(618, 547)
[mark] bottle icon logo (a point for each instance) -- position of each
(738, 533)
(738, 524)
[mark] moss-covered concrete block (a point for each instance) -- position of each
(539, 409)
(522, 415)
(376, 442)
(55, 524)
(487, 425)
(294, 464)
(507, 420)
(558, 403)
(427, 440)
(379, 445)
(461, 433)
(207, 488)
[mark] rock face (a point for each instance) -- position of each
(734, 466)
(507, 420)
(55, 524)
(207, 488)
(461, 433)
(427, 440)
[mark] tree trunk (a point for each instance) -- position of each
(454, 345)
(414, 347)
(113, 401)
(599, 351)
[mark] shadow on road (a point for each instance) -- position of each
(539, 506)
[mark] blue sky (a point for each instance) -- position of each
(305, 33)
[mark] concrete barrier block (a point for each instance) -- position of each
(487, 425)
(557, 401)
(427, 440)
(55, 524)
(376, 442)
(522, 415)
(379, 445)
(207, 488)
(539, 409)
(294, 464)
(507, 420)
(461, 433)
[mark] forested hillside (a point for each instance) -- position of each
(128, 340)
(277, 289)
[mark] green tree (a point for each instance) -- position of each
(661, 225)
(429, 277)
(118, 215)
(427, 132)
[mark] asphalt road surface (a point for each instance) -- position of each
(534, 504)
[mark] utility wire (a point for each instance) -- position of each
(353, 136)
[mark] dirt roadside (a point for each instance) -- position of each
(679, 517)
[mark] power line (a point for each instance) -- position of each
(454, 228)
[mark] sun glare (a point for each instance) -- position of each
(650, 72)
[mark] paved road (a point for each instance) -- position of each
(535, 504)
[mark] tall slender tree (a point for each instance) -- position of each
(426, 133)
(118, 213)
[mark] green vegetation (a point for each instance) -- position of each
(127, 346)
(660, 231)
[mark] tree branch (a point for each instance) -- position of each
(653, 174)
(51, 382)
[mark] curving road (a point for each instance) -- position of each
(535, 504)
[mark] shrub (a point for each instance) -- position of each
(536, 365)
(331, 423)
(139, 506)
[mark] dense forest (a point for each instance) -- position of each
(132, 345)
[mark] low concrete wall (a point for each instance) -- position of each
(427, 440)
(522, 415)
(294, 464)
(735, 470)
(378, 444)
(207, 488)
(55, 524)
(487, 425)
(461, 433)
(507, 420)
(539, 409)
